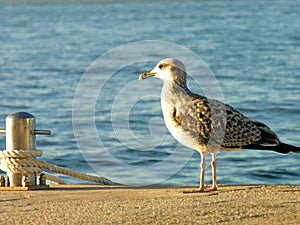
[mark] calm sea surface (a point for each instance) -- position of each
(252, 48)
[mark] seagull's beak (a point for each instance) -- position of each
(147, 75)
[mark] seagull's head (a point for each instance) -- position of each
(170, 69)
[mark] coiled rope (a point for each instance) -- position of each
(22, 161)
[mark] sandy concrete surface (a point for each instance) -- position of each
(94, 204)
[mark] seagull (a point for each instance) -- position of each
(208, 125)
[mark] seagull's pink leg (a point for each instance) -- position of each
(202, 167)
(202, 173)
(214, 186)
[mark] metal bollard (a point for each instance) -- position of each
(21, 135)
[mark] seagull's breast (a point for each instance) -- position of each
(172, 108)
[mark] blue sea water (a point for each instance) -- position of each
(252, 48)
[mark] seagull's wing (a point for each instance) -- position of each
(240, 131)
(244, 133)
(219, 124)
(194, 118)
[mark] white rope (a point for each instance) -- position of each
(20, 153)
(54, 179)
(21, 161)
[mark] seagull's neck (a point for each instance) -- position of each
(172, 93)
(171, 88)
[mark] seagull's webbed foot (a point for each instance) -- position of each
(212, 188)
(200, 190)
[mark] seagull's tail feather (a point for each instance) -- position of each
(281, 148)
(270, 141)
(286, 148)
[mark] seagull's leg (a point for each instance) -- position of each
(202, 173)
(214, 186)
(202, 167)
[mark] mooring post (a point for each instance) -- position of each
(19, 161)
(19, 127)
(21, 135)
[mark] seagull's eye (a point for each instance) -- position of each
(161, 66)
